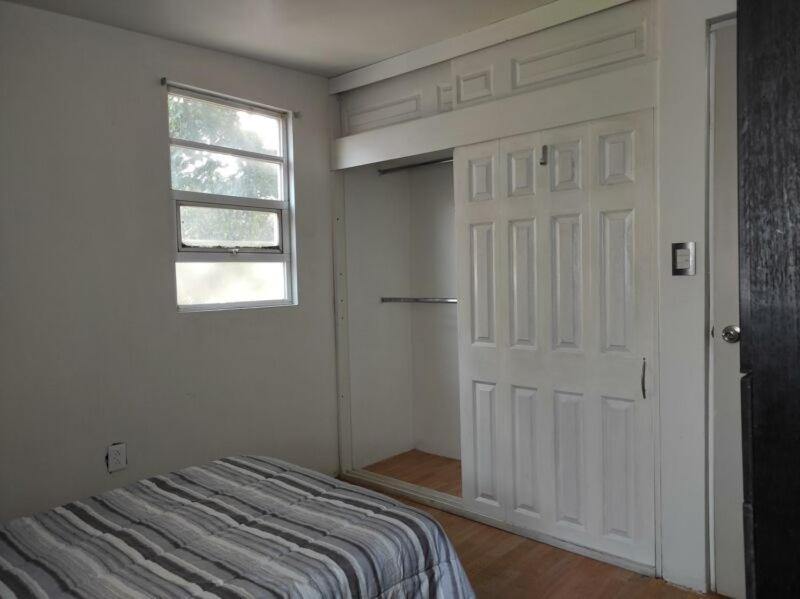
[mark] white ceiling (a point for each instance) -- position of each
(327, 37)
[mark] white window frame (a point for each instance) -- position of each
(286, 252)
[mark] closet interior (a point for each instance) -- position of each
(401, 287)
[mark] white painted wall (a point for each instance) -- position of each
(434, 332)
(403, 357)
(681, 157)
(92, 348)
(377, 217)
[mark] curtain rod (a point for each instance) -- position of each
(384, 171)
(208, 92)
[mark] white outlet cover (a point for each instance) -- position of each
(117, 457)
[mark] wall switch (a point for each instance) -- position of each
(117, 457)
(683, 259)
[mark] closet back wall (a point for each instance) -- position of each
(92, 348)
(433, 326)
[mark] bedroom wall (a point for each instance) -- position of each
(92, 348)
(433, 326)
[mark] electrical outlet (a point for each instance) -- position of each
(117, 457)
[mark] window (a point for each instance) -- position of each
(231, 188)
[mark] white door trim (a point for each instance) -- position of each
(729, 582)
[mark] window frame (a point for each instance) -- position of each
(286, 251)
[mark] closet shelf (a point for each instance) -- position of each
(419, 300)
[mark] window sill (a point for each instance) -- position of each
(189, 309)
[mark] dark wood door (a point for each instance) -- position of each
(769, 234)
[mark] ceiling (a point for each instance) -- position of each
(326, 37)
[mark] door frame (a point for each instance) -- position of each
(713, 26)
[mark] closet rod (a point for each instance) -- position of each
(384, 171)
(419, 300)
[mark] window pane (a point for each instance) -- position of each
(201, 283)
(224, 174)
(205, 227)
(220, 125)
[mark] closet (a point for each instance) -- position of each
(530, 401)
(401, 285)
(556, 284)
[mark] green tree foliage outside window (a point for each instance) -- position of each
(221, 173)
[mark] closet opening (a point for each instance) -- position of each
(401, 314)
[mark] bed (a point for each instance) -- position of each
(244, 526)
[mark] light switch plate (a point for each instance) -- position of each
(683, 259)
(117, 457)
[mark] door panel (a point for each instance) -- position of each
(486, 470)
(566, 276)
(483, 418)
(570, 479)
(565, 238)
(522, 295)
(618, 466)
(525, 415)
(482, 239)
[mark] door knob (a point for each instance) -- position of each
(732, 333)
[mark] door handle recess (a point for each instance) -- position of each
(731, 333)
(644, 370)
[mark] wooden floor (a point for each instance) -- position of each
(424, 469)
(501, 564)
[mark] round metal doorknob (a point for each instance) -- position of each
(731, 333)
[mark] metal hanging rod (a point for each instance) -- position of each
(384, 171)
(419, 300)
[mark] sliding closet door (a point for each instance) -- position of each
(556, 327)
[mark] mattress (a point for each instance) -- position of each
(245, 526)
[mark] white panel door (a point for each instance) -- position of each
(477, 240)
(556, 319)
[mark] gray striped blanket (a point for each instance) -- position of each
(237, 527)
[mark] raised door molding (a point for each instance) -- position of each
(616, 280)
(618, 467)
(567, 281)
(485, 443)
(608, 40)
(569, 467)
(616, 157)
(370, 117)
(482, 277)
(578, 56)
(474, 86)
(565, 166)
(539, 18)
(523, 275)
(526, 493)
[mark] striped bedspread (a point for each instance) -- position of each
(237, 527)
